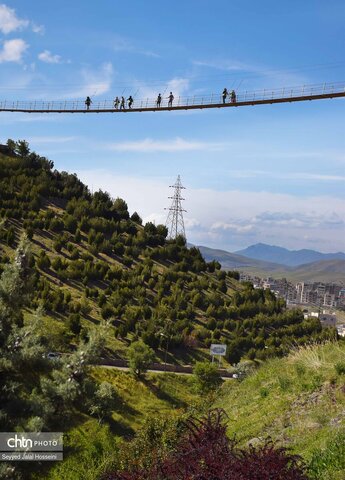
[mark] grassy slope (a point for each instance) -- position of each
(298, 401)
(90, 446)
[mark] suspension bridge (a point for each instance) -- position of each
(242, 99)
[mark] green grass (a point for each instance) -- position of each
(298, 401)
(329, 463)
(90, 447)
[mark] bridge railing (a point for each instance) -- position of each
(179, 101)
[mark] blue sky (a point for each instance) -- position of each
(272, 174)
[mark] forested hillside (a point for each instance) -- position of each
(96, 263)
(82, 276)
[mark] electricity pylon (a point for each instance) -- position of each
(175, 223)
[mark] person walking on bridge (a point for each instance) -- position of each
(233, 96)
(116, 103)
(130, 101)
(88, 102)
(171, 99)
(159, 101)
(123, 104)
(224, 94)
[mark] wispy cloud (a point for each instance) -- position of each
(17, 118)
(95, 82)
(47, 57)
(122, 44)
(39, 29)
(243, 71)
(13, 50)
(149, 145)
(225, 65)
(52, 140)
(288, 175)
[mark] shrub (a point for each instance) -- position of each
(43, 261)
(211, 324)
(85, 307)
(140, 356)
(104, 401)
(74, 323)
(107, 311)
(206, 376)
(264, 392)
(57, 245)
(205, 452)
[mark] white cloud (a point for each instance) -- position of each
(39, 29)
(47, 57)
(13, 50)
(51, 140)
(149, 145)
(9, 22)
(232, 227)
(178, 85)
(234, 219)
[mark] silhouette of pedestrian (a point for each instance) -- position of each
(159, 100)
(171, 99)
(88, 102)
(130, 101)
(116, 103)
(233, 96)
(224, 94)
(122, 105)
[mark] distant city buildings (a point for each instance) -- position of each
(316, 294)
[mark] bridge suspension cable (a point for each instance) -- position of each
(240, 99)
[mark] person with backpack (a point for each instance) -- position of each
(123, 103)
(116, 103)
(224, 94)
(159, 101)
(88, 102)
(233, 96)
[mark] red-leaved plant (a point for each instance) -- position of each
(206, 453)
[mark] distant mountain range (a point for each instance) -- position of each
(283, 256)
(330, 267)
